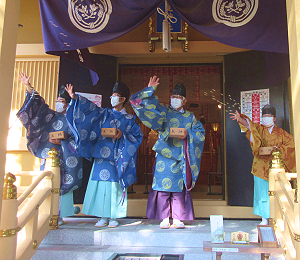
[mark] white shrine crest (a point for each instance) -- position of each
(234, 13)
(90, 17)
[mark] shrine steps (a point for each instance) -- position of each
(79, 239)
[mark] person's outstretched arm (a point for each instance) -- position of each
(26, 81)
(237, 116)
(147, 107)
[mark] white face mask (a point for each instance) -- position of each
(59, 107)
(176, 102)
(114, 100)
(267, 121)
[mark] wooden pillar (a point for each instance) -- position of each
(9, 16)
(9, 221)
(293, 19)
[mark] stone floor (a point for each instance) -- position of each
(79, 239)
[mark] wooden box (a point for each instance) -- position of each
(265, 150)
(58, 135)
(266, 236)
(108, 132)
(177, 132)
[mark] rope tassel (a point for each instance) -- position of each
(166, 26)
(121, 202)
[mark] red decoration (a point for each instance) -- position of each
(197, 89)
(159, 71)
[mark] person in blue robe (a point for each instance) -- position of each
(39, 120)
(114, 167)
(178, 159)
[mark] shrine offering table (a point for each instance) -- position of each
(251, 248)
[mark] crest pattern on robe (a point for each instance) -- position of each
(177, 161)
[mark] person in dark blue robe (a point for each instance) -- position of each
(40, 120)
(114, 167)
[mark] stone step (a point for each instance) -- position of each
(78, 238)
(142, 232)
(72, 252)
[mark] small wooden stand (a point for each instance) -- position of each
(266, 236)
(251, 248)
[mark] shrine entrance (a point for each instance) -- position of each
(204, 88)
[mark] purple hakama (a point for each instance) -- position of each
(162, 203)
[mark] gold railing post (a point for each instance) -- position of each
(53, 164)
(272, 174)
(276, 165)
(9, 222)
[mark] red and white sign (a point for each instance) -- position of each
(95, 98)
(252, 103)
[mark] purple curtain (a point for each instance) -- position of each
(71, 26)
(250, 24)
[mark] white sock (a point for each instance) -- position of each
(104, 219)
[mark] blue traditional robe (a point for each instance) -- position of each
(177, 160)
(114, 159)
(40, 120)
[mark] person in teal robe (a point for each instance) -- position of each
(178, 160)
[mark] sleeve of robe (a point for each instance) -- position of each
(128, 145)
(37, 118)
(147, 108)
(35, 114)
(254, 130)
(287, 148)
(82, 116)
(195, 143)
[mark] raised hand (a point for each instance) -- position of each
(26, 81)
(235, 116)
(154, 81)
(69, 89)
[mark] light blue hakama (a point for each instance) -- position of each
(66, 207)
(102, 199)
(261, 201)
